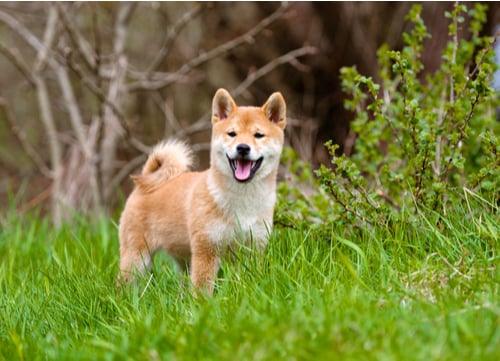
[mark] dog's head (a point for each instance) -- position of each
(247, 141)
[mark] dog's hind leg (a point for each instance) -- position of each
(135, 258)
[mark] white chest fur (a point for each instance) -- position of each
(247, 208)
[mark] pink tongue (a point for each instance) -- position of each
(243, 169)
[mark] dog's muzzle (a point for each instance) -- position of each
(243, 168)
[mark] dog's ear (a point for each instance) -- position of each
(222, 105)
(275, 109)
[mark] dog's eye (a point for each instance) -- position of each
(258, 135)
(232, 134)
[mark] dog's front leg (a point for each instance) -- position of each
(205, 264)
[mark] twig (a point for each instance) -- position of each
(202, 124)
(138, 145)
(332, 191)
(35, 202)
(172, 34)
(474, 71)
(385, 110)
(388, 199)
(21, 137)
(73, 109)
(114, 96)
(248, 37)
(99, 119)
(38, 81)
(171, 121)
(462, 135)
(286, 58)
(80, 43)
(84, 140)
(440, 118)
(48, 39)
(54, 144)
(21, 30)
(170, 116)
(123, 173)
(15, 58)
(47, 115)
(454, 58)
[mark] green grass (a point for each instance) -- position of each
(407, 291)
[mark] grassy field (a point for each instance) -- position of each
(407, 291)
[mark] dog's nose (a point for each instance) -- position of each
(243, 149)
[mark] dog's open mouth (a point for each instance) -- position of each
(244, 169)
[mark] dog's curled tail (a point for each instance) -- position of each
(167, 160)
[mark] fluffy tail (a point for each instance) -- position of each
(167, 160)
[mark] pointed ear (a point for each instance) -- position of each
(222, 105)
(275, 109)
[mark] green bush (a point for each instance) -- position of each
(422, 141)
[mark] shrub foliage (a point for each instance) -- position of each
(423, 140)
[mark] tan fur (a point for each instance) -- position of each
(167, 160)
(194, 216)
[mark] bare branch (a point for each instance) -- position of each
(64, 82)
(172, 34)
(170, 78)
(80, 43)
(170, 116)
(35, 202)
(48, 121)
(171, 121)
(87, 81)
(116, 87)
(156, 80)
(48, 40)
(21, 30)
(15, 58)
(73, 109)
(85, 140)
(124, 173)
(248, 37)
(21, 137)
(125, 11)
(286, 58)
(48, 117)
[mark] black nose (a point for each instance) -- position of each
(243, 149)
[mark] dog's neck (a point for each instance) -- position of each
(242, 199)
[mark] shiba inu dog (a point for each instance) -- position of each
(194, 216)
